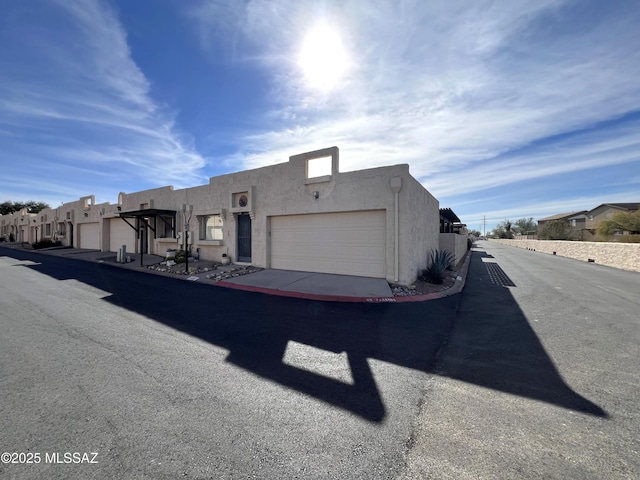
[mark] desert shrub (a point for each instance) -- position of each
(180, 256)
(439, 262)
(556, 230)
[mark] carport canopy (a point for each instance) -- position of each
(143, 215)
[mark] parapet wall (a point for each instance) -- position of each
(625, 256)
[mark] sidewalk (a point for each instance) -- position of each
(308, 285)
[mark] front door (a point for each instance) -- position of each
(244, 237)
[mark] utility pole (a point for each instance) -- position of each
(186, 212)
(484, 221)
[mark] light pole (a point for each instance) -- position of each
(187, 210)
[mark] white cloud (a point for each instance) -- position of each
(447, 85)
(90, 96)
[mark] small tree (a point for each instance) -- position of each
(556, 230)
(503, 230)
(620, 222)
(524, 226)
(32, 207)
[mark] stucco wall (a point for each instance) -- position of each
(280, 189)
(419, 227)
(455, 244)
(625, 256)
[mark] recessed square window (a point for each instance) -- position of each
(318, 167)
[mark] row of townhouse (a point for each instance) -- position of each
(586, 221)
(303, 214)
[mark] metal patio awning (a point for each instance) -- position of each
(143, 215)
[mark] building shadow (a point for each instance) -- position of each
(257, 329)
(493, 344)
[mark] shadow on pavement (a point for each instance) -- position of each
(500, 352)
(257, 328)
(494, 346)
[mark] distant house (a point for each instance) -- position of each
(571, 218)
(447, 220)
(606, 211)
(453, 234)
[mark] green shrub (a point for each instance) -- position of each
(439, 262)
(180, 257)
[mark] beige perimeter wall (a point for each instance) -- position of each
(454, 243)
(625, 256)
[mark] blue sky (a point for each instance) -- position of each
(503, 109)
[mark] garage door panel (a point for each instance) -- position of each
(121, 233)
(351, 243)
(89, 235)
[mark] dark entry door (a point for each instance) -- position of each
(244, 237)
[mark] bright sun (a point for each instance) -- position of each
(323, 58)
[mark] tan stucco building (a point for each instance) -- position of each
(303, 214)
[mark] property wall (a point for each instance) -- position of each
(625, 256)
(455, 244)
(419, 227)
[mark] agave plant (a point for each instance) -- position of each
(439, 262)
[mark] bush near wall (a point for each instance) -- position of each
(625, 256)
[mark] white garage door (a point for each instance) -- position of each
(120, 233)
(90, 235)
(351, 243)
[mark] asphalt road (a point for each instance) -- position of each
(532, 372)
(165, 378)
(541, 377)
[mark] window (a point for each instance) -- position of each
(165, 226)
(62, 229)
(211, 227)
(318, 167)
(47, 230)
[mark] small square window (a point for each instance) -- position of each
(318, 167)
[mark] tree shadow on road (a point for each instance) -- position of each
(257, 329)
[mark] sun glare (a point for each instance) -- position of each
(323, 58)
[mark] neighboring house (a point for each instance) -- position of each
(303, 214)
(447, 220)
(565, 217)
(578, 222)
(453, 234)
(606, 211)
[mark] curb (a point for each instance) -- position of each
(306, 296)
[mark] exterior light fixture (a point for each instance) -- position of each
(316, 194)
